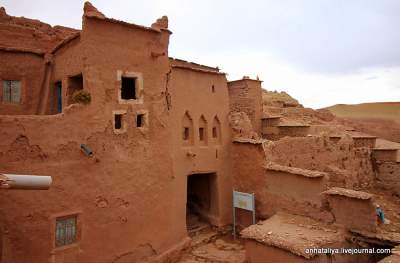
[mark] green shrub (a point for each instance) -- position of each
(81, 96)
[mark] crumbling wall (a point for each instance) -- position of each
(241, 126)
(25, 33)
(276, 190)
(320, 154)
(291, 131)
(246, 96)
(354, 210)
(388, 176)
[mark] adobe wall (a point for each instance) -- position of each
(388, 176)
(68, 61)
(21, 32)
(29, 69)
(120, 194)
(275, 190)
(248, 173)
(346, 210)
(385, 155)
(348, 166)
(246, 95)
(288, 131)
(294, 193)
(257, 253)
(192, 101)
(368, 142)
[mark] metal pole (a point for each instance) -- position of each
(254, 210)
(234, 214)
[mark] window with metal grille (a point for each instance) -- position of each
(65, 231)
(12, 91)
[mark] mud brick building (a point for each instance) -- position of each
(141, 145)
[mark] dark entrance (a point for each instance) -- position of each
(201, 200)
(58, 97)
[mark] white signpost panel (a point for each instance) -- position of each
(244, 201)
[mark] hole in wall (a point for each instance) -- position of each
(128, 88)
(117, 121)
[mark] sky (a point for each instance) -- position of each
(322, 52)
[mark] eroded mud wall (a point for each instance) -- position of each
(117, 196)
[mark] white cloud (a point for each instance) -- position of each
(320, 52)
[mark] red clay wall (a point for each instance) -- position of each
(191, 95)
(347, 212)
(245, 95)
(320, 154)
(258, 253)
(385, 155)
(29, 69)
(120, 197)
(389, 176)
(294, 193)
(275, 191)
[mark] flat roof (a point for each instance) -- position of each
(348, 193)
(248, 140)
(245, 79)
(293, 125)
(294, 233)
(271, 117)
(198, 70)
(294, 170)
(189, 63)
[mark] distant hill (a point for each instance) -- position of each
(377, 110)
(381, 119)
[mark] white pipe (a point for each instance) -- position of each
(21, 181)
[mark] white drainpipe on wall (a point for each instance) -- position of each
(22, 181)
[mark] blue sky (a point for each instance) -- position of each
(322, 52)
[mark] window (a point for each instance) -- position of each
(187, 130)
(203, 131)
(213, 89)
(214, 132)
(57, 97)
(128, 88)
(139, 120)
(201, 134)
(186, 133)
(75, 83)
(118, 121)
(12, 91)
(66, 231)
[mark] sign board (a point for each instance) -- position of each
(244, 201)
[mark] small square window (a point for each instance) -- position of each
(185, 133)
(128, 88)
(66, 232)
(140, 120)
(12, 91)
(117, 121)
(201, 134)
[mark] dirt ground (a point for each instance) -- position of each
(209, 245)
